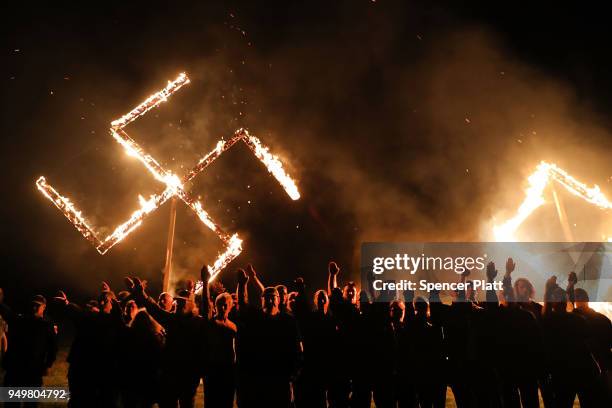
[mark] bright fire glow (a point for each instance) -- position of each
(534, 197)
(151, 102)
(174, 185)
(273, 164)
(602, 307)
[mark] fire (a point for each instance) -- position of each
(534, 197)
(602, 307)
(68, 209)
(173, 184)
(151, 102)
(273, 164)
(234, 248)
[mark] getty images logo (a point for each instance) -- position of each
(408, 263)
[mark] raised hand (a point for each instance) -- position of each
(205, 274)
(139, 287)
(491, 271)
(105, 287)
(61, 297)
(333, 268)
(250, 271)
(129, 283)
(242, 277)
(510, 266)
(572, 279)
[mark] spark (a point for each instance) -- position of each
(534, 197)
(174, 186)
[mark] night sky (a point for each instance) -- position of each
(400, 121)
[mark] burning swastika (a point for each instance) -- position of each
(544, 174)
(173, 184)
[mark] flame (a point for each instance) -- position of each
(234, 248)
(602, 307)
(273, 164)
(68, 209)
(534, 197)
(151, 102)
(173, 184)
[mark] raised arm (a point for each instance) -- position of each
(572, 279)
(71, 310)
(241, 290)
(492, 299)
(332, 278)
(137, 289)
(205, 302)
(254, 279)
(509, 294)
(301, 303)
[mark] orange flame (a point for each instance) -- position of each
(151, 102)
(273, 164)
(174, 185)
(602, 307)
(534, 197)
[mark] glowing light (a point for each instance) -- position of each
(602, 307)
(173, 184)
(273, 164)
(534, 197)
(68, 209)
(151, 102)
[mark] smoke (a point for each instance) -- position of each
(430, 149)
(393, 134)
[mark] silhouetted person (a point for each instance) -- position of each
(599, 340)
(93, 376)
(142, 346)
(32, 345)
(129, 311)
(533, 358)
(220, 378)
(454, 321)
(269, 350)
(320, 340)
(570, 364)
(183, 355)
(348, 380)
(519, 356)
(427, 357)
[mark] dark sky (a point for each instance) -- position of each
(400, 120)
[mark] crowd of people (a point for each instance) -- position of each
(339, 347)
